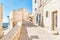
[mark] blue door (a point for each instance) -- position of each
(37, 18)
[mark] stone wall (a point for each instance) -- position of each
(14, 34)
(1, 20)
(18, 15)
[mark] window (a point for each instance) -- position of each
(35, 1)
(46, 13)
(35, 8)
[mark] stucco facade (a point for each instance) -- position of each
(1, 21)
(51, 15)
(48, 13)
(18, 16)
(35, 8)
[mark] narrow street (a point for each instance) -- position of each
(33, 32)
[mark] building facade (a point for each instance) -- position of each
(48, 12)
(18, 16)
(35, 11)
(1, 20)
(51, 14)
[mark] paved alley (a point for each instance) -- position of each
(33, 32)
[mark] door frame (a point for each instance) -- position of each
(54, 12)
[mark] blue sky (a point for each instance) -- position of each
(9, 5)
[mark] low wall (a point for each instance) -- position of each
(14, 34)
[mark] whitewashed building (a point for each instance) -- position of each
(48, 12)
(51, 14)
(35, 11)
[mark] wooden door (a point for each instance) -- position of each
(54, 20)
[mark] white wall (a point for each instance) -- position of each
(35, 5)
(52, 6)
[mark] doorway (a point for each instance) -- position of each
(54, 20)
(39, 19)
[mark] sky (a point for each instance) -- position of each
(9, 5)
